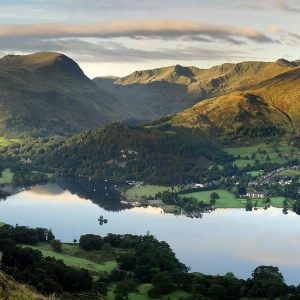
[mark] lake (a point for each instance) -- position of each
(226, 240)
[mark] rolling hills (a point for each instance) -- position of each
(123, 152)
(47, 93)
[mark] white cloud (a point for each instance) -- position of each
(147, 28)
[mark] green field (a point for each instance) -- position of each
(227, 199)
(73, 256)
(138, 192)
(290, 173)
(255, 173)
(4, 142)
(243, 153)
(6, 177)
(143, 289)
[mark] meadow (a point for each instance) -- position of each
(5, 142)
(228, 200)
(291, 173)
(6, 177)
(73, 256)
(142, 290)
(263, 153)
(137, 192)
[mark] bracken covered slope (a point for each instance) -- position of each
(11, 290)
(153, 93)
(273, 102)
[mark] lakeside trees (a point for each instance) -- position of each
(143, 259)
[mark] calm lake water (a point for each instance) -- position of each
(225, 240)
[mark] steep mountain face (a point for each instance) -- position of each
(151, 94)
(271, 103)
(47, 93)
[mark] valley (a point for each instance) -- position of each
(198, 158)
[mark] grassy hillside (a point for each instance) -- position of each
(11, 290)
(73, 256)
(47, 93)
(271, 106)
(153, 93)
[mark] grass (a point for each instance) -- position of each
(6, 177)
(290, 173)
(10, 290)
(255, 173)
(142, 293)
(73, 256)
(227, 199)
(243, 154)
(138, 192)
(277, 202)
(170, 209)
(4, 142)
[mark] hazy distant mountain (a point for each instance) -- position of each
(272, 100)
(47, 93)
(151, 94)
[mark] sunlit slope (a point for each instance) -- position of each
(153, 93)
(11, 290)
(273, 102)
(48, 93)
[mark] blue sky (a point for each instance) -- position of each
(117, 37)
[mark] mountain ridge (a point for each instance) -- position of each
(48, 93)
(151, 94)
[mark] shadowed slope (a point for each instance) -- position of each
(47, 93)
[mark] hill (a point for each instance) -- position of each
(124, 152)
(47, 93)
(271, 105)
(11, 290)
(153, 93)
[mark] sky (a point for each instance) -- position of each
(117, 37)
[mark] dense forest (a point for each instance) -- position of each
(125, 152)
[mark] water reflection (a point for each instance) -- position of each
(106, 194)
(226, 240)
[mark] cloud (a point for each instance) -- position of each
(113, 51)
(285, 6)
(282, 5)
(133, 29)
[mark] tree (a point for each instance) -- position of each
(217, 292)
(154, 292)
(214, 196)
(56, 245)
(267, 272)
(249, 205)
(91, 242)
(212, 201)
(242, 190)
(50, 236)
(164, 282)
